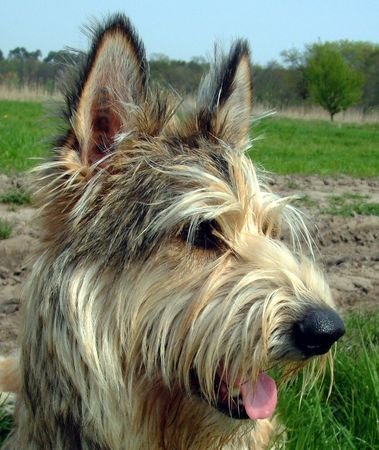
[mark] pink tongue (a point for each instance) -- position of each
(259, 400)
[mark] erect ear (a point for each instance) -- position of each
(114, 73)
(225, 98)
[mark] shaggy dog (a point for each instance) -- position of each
(162, 294)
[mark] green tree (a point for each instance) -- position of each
(371, 87)
(275, 86)
(22, 54)
(295, 63)
(63, 57)
(332, 83)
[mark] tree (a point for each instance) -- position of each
(274, 86)
(332, 83)
(183, 76)
(371, 87)
(63, 57)
(295, 63)
(22, 54)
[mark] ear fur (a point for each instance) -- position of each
(225, 98)
(115, 69)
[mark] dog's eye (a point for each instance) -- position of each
(203, 236)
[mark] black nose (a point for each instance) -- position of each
(317, 331)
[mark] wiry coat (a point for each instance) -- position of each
(160, 263)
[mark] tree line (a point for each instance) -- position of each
(335, 75)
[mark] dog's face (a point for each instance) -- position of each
(169, 231)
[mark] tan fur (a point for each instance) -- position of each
(160, 265)
(9, 375)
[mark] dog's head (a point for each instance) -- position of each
(176, 265)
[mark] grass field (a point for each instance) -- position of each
(316, 147)
(288, 145)
(23, 132)
(349, 418)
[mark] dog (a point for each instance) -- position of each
(162, 293)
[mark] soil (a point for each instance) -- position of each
(347, 246)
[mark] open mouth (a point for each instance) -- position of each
(246, 399)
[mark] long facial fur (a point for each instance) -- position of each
(122, 305)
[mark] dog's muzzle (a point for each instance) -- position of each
(317, 331)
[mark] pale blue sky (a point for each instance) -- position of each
(182, 29)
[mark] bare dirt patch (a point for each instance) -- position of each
(348, 246)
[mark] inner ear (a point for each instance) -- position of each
(106, 124)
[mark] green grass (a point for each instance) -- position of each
(346, 205)
(289, 145)
(22, 135)
(306, 200)
(16, 196)
(316, 147)
(350, 205)
(5, 424)
(5, 229)
(349, 419)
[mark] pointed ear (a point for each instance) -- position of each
(225, 98)
(114, 72)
